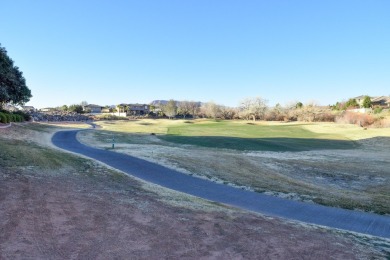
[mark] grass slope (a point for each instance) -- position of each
(255, 137)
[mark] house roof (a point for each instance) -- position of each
(384, 99)
(92, 105)
(362, 97)
(28, 107)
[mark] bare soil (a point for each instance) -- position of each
(87, 211)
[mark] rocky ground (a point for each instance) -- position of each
(58, 116)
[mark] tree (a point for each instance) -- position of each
(276, 114)
(351, 103)
(170, 109)
(227, 112)
(299, 105)
(64, 108)
(253, 108)
(367, 102)
(13, 87)
(184, 108)
(211, 109)
(194, 108)
(75, 108)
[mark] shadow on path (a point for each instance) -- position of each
(274, 144)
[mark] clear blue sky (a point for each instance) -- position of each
(110, 52)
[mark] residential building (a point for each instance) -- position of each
(93, 109)
(134, 109)
(382, 101)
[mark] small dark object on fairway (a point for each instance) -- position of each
(152, 134)
(365, 128)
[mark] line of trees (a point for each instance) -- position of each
(255, 108)
(13, 88)
(352, 103)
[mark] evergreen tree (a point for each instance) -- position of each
(367, 102)
(13, 87)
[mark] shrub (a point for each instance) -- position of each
(356, 118)
(8, 118)
(382, 123)
(378, 110)
(25, 116)
(3, 118)
(18, 118)
(324, 117)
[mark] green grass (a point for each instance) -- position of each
(230, 135)
(16, 154)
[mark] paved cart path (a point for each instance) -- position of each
(356, 221)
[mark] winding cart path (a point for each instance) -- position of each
(355, 221)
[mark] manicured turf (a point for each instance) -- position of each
(247, 136)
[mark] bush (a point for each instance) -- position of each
(9, 118)
(378, 110)
(24, 116)
(356, 118)
(3, 118)
(324, 117)
(18, 118)
(6, 117)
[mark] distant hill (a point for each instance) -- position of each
(158, 102)
(164, 102)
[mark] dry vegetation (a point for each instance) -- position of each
(355, 178)
(57, 205)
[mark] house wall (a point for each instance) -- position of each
(95, 109)
(361, 110)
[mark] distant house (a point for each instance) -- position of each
(134, 109)
(46, 109)
(10, 107)
(28, 108)
(360, 99)
(382, 101)
(138, 109)
(93, 109)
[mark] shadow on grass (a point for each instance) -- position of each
(261, 144)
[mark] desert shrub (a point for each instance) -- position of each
(378, 110)
(3, 118)
(356, 118)
(274, 116)
(324, 117)
(382, 123)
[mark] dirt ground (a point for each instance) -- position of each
(79, 217)
(88, 211)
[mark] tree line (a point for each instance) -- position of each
(255, 108)
(13, 88)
